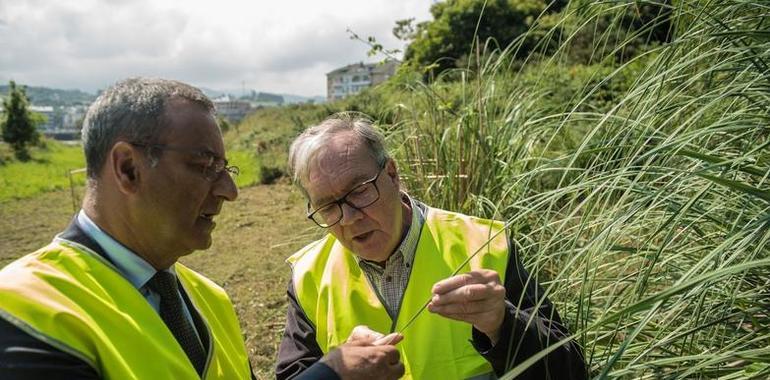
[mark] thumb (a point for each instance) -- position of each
(390, 340)
(363, 335)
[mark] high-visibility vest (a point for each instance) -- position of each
(335, 294)
(75, 300)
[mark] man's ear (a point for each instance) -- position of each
(392, 171)
(124, 162)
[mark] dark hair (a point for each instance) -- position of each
(131, 110)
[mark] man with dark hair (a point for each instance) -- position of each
(108, 298)
(387, 256)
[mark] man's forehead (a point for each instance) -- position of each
(336, 169)
(192, 125)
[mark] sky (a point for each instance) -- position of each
(277, 46)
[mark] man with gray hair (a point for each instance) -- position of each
(387, 256)
(108, 299)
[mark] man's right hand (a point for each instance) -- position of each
(366, 356)
(365, 336)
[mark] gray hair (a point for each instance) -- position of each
(132, 110)
(309, 143)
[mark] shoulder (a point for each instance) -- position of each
(63, 263)
(319, 262)
(312, 252)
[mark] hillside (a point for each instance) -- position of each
(44, 96)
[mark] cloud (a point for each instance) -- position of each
(283, 46)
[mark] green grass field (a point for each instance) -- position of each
(50, 167)
(47, 171)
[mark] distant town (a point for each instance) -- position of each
(63, 110)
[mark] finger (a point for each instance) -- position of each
(363, 335)
(470, 293)
(392, 355)
(453, 282)
(390, 339)
(480, 276)
(397, 370)
(472, 318)
(473, 307)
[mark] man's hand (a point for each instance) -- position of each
(365, 336)
(366, 355)
(476, 297)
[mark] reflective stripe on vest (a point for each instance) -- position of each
(335, 295)
(74, 300)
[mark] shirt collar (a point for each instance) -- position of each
(131, 266)
(408, 245)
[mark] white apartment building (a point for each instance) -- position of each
(351, 79)
(231, 109)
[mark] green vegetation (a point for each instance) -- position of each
(18, 124)
(262, 140)
(447, 41)
(47, 171)
(248, 163)
(628, 149)
(638, 184)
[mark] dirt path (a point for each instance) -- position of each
(254, 236)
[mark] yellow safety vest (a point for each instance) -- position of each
(76, 301)
(336, 296)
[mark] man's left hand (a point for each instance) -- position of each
(476, 297)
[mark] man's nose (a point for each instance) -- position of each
(225, 187)
(350, 214)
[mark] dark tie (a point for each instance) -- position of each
(164, 283)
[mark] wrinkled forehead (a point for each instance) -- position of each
(337, 166)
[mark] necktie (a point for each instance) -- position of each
(164, 283)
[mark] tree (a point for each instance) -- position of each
(449, 39)
(19, 127)
(445, 41)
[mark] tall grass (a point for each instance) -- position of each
(640, 201)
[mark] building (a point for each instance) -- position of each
(61, 122)
(49, 115)
(73, 116)
(232, 110)
(351, 79)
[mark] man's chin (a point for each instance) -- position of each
(202, 243)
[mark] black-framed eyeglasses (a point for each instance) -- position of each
(213, 166)
(361, 196)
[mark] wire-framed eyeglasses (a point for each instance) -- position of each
(361, 196)
(212, 165)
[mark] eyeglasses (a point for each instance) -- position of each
(361, 196)
(213, 166)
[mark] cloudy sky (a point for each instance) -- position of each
(280, 46)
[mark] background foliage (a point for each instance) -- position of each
(18, 124)
(634, 165)
(626, 144)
